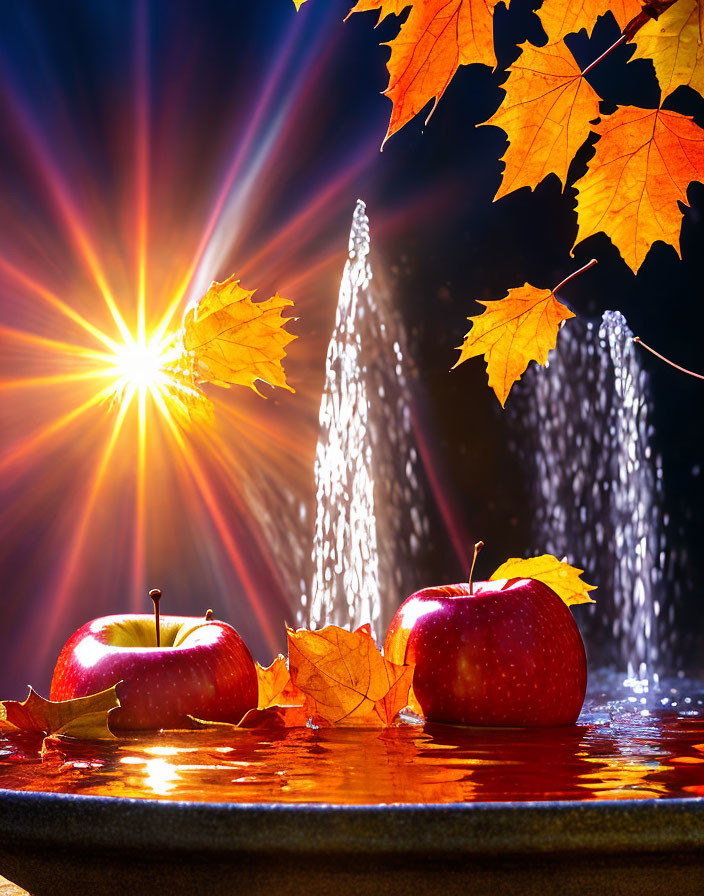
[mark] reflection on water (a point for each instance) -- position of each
(624, 749)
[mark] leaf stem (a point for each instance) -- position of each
(650, 11)
(589, 264)
(621, 40)
(155, 595)
(698, 376)
(477, 547)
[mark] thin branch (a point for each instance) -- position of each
(649, 12)
(698, 376)
(589, 264)
(621, 40)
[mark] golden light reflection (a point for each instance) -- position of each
(625, 759)
(619, 778)
(161, 776)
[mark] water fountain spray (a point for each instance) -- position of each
(585, 437)
(370, 523)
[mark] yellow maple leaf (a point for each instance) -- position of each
(545, 113)
(559, 18)
(673, 42)
(233, 340)
(565, 580)
(514, 331)
(189, 403)
(85, 718)
(272, 680)
(298, 4)
(644, 161)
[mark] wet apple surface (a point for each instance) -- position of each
(198, 667)
(620, 749)
(503, 652)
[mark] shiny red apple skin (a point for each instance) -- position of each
(508, 655)
(210, 675)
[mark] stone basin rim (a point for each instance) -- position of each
(121, 824)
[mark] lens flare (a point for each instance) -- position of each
(109, 485)
(143, 367)
(140, 366)
(109, 227)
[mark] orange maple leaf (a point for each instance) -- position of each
(345, 677)
(437, 37)
(645, 159)
(559, 18)
(514, 331)
(232, 340)
(275, 685)
(272, 680)
(398, 696)
(85, 718)
(546, 115)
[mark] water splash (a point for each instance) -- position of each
(370, 522)
(583, 430)
(345, 587)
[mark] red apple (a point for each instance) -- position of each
(508, 654)
(202, 668)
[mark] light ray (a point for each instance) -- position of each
(138, 554)
(66, 207)
(142, 166)
(57, 379)
(29, 445)
(300, 222)
(228, 462)
(266, 439)
(142, 228)
(236, 187)
(55, 345)
(55, 302)
(73, 554)
(233, 553)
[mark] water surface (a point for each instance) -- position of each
(639, 746)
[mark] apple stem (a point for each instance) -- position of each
(208, 615)
(477, 547)
(155, 595)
